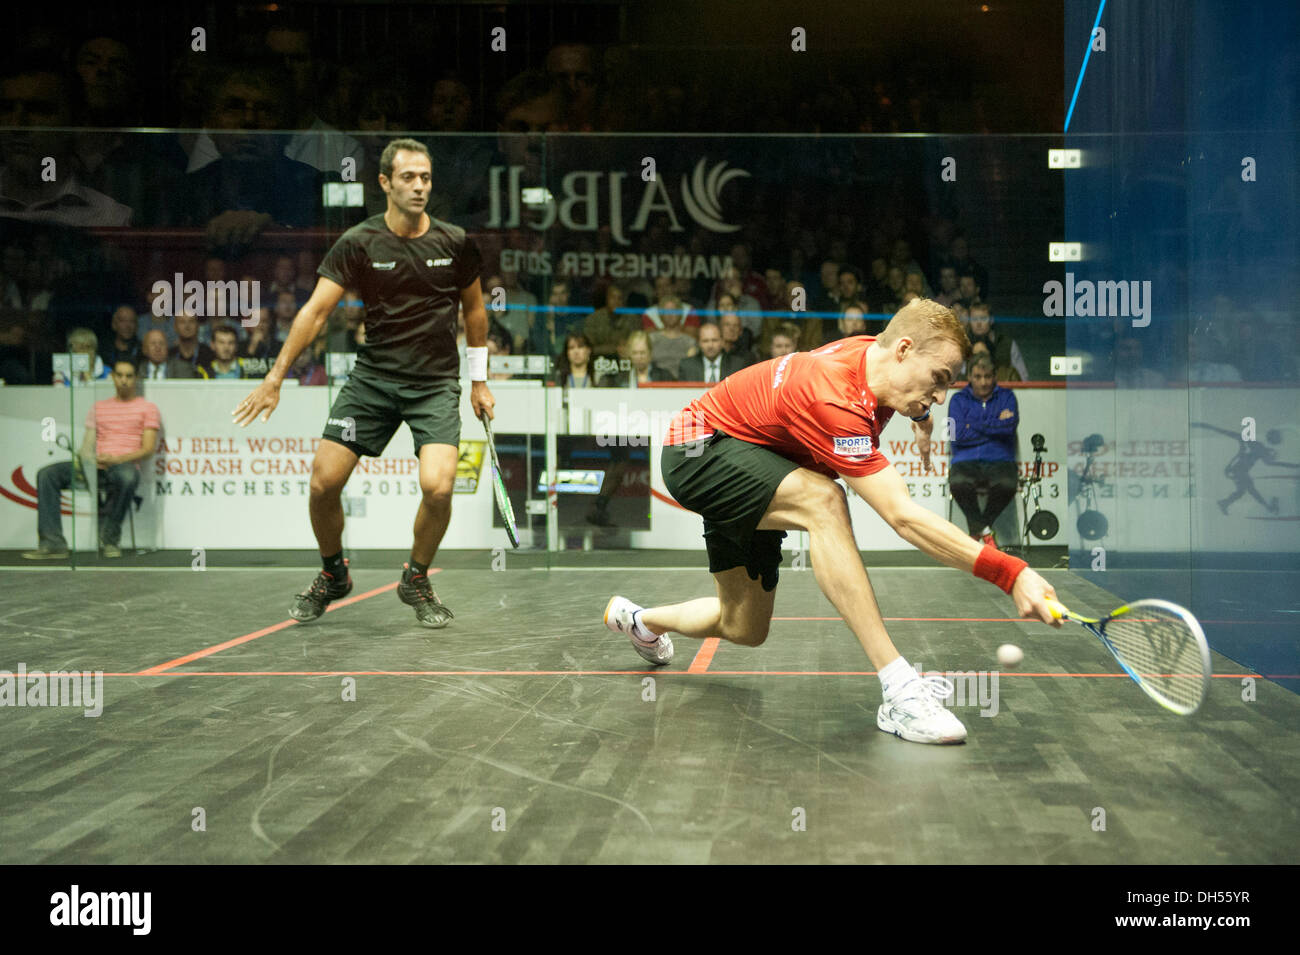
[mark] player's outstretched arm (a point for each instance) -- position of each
(945, 542)
(310, 319)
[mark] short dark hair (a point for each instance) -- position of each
(225, 330)
(391, 150)
(852, 270)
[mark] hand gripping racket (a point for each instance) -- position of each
(1159, 644)
(499, 487)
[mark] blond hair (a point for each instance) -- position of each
(928, 324)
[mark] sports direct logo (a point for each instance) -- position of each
(857, 447)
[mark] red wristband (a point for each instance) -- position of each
(998, 568)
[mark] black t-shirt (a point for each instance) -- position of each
(411, 290)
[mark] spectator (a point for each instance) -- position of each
(315, 143)
(827, 297)
(307, 370)
(736, 338)
(850, 284)
(666, 290)
(572, 68)
(671, 343)
(896, 283)
(286, 310)
(82, 341)
(949, 292)
(774, 282)
(984, 419)
(641, 353)
(573, 368)
(498, 345)
(262, 347)
(784, 342)
(1203, 366)
(124, 344)
(39, 96)
(188, 348)
(284, 278)
(959, 258)
(156, 364)
(852, 321)
(304, 282)
(606, 328)
(713, 363)
(1005, 352)
(122, 431)
(915, 283)
(528, 105)
(225, 355)
(520, 313)
(747, 306)
(553, 324)
(900, 257)
(751, 283)
(968, 290)
(1001, 372)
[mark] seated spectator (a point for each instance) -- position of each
(124, 342)
(949, 293)
(1001, 372)
(519, 315)
(1006, 353)
(783, 342)
(262, 347)
(984, 419)
(188, 348)
(968, 290)
(286, 310)
(671, 343)
(606, 328)
(850, 285)
(896, 284)
(915, 283)
(826, 298)
(554, 323)
(225, 355)
(736, 338)
(852, 321)
(712, 364)
(959, 258)
(82, 341)
(900, 255)
(748, 307)
(1130, 371)
(573, 368)
(307, 370)
(665, 291)
(1204, 364)
(156, 364)
(120, 432)
(641, 353)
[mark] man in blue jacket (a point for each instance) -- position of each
(984, 418)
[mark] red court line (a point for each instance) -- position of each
(660, 671)
(200, 654)
(704, 656)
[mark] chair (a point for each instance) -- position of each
(101, 500)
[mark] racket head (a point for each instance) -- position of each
(1163, 648)
(499, 487)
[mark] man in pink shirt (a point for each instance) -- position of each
(122, 431)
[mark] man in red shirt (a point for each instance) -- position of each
(757, 456)
(120, 432)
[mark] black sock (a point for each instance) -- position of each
(334, 565)
(417, 570)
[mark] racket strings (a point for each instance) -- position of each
(1162, 650)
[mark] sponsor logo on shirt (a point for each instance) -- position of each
(853, 447)
(385, 266)
(780, 371)
(437, 262)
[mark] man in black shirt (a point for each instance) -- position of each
(413, 272)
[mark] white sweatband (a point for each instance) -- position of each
(477, 358)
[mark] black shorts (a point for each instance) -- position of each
(730, 483)
(369, 409)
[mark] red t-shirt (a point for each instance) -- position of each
(814, 408)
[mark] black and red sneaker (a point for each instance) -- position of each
(310, 604)
(416, 590)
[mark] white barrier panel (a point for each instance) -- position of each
(215, 485)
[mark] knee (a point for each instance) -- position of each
(324, 486)
(828, 502)
(744, 631)
(437, 493)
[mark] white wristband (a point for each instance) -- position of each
(477, 363)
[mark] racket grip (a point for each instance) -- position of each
(1058, 611)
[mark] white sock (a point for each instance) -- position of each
(641, 630)
(896, 675)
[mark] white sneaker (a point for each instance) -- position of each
(915, 714)
(618, 617)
